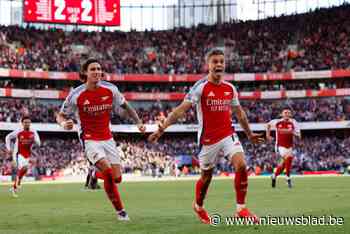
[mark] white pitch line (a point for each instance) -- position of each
(165, 179)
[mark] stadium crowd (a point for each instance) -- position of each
(312, 109)
(141, 157)
(270, 45)
(39, 84)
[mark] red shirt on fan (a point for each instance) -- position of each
(285, 131)
(214, 109)
(23, 143)
(93, 109)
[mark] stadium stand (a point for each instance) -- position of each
(274, 63)
(254, 46)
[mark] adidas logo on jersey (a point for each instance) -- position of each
(211, 94)
(86, 102)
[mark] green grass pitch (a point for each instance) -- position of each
(165, 207)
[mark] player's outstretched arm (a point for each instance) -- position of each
(133, 114)
(37, 138)
(61, 119)
(177, 113)
(297, 130)
(243, 121)
(9, 137)
(268, 132)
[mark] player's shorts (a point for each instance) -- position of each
(21, 161)
(283, 151)
(208, 154)
(96, 150)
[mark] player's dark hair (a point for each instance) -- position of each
(286, 108)
(84, 67)
(25, 117)
(213, 52)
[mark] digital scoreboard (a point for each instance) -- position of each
(87, 12)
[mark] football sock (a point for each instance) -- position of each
(100, 176)
(288, 163)
(112, 190)
(201, 191)
(241, 185)
(20, 173)
(279, 169)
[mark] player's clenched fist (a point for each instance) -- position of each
(68, 124)
(141, 127)
(256, 138)
(153, 138)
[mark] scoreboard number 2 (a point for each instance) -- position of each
(60, 4)
(86, 6)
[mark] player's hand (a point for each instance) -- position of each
(68, 124)
(153, 138)
(256, 138)
(141, 127)
(161, 125)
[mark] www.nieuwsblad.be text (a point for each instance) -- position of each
(304, 220)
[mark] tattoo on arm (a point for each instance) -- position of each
(243, 120)
(177, 113)
(173, 117)
(132, 113)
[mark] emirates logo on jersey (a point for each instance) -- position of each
(286, 128)
(97, 109)
(219, 104)
(26, 141)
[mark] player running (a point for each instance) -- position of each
(92, 103)
(286, 128)
(21, 151)
(215, 100)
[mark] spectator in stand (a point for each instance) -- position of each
(152, 87)
(259, 111)
(270, 45)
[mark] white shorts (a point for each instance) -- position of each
(209, 153)
(96, 150)
(283, 151)
(21, 161)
